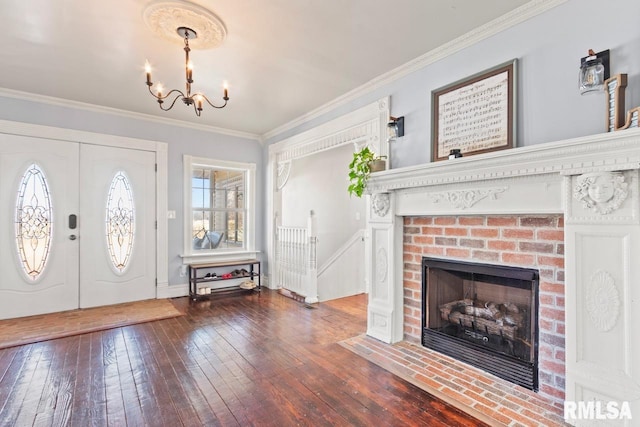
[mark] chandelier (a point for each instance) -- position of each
(195, 99)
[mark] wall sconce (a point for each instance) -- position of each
(395, 127)
(594, 70)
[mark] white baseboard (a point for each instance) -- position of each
(265, 281)
(172, 291)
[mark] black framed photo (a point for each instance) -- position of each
(476, 114)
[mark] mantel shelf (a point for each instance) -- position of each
(602, 152)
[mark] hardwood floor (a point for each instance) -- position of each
(252, 359)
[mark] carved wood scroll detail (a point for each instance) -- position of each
(379, 321)
(382, 266)
(601, 192)
(464, 199)
(284, 170)
(380, 203)
(602, 301)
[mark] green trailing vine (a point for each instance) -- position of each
(360, 170)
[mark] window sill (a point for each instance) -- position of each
(218, 256)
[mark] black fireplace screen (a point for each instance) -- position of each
(485, 315)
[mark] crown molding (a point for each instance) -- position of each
(605, 152)
(504, 22)
(50, 100)
(362, 126)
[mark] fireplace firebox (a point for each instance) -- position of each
(484, 315)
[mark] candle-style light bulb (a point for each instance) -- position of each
(189, 71)
(147, 69)
(198, 99)
(159, 89)
(226, 91)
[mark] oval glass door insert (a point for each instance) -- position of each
(33, 222)
(120, 221)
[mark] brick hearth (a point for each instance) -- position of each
(493, 400)
(523, 241)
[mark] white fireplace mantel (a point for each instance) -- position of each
(593, 182)
(602, 152)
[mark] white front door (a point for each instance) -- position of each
(117, 223)
(77, 225)
(38, 192)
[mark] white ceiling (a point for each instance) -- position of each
(281, 58)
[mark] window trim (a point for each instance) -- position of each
(249, 251)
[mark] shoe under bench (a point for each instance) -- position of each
(197, 276)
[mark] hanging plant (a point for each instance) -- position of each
(364, 162)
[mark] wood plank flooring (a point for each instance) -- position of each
(253, 359)
(31, 329)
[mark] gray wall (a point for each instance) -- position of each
(548, 47)
(180, 141)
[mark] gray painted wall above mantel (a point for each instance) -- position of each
(548, 48)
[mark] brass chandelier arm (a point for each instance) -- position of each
(197, 96)
(171, 105)
(161, 99)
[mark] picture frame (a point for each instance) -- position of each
(476, 114)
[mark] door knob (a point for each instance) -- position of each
(73, 237)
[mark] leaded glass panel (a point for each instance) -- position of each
(33, 222)
(120, 221)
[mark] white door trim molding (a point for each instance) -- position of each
(365, 126)
(160, 148)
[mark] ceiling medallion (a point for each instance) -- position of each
(195, 26)
(165, 16)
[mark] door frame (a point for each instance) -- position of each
(159, 148)
(365, 126)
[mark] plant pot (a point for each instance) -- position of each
(377, 165)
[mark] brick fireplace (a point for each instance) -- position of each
(535, 242)
(569, 209)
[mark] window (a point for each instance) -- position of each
(219, 206)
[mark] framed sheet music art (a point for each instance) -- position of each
(476, 114)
